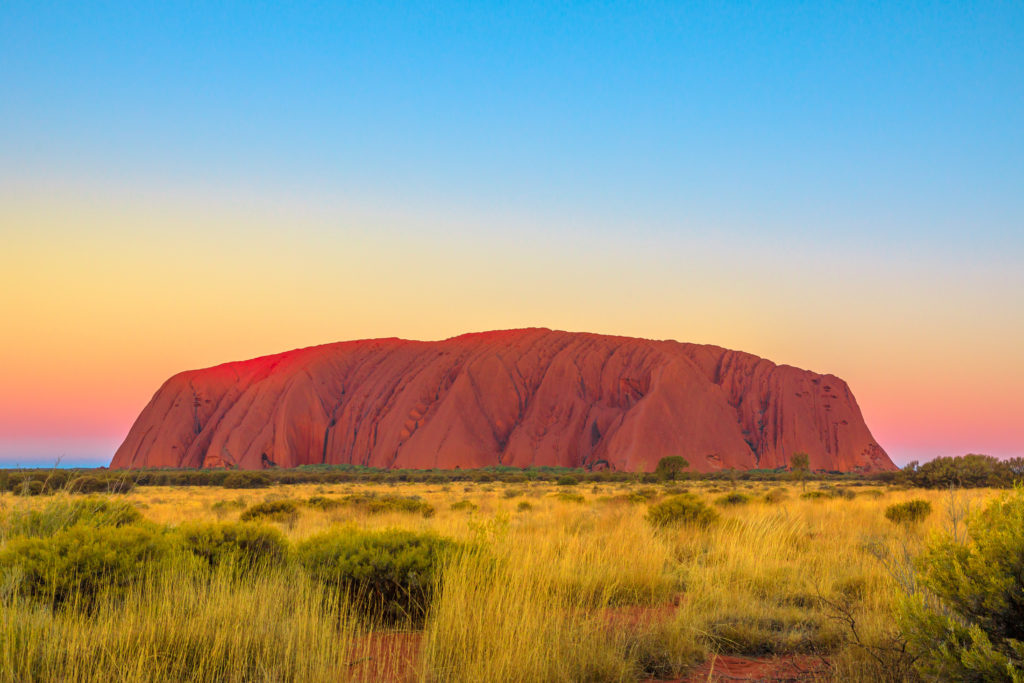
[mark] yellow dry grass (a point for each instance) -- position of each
(534, 597)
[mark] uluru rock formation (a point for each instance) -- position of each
(517, 397)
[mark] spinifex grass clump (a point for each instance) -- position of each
(685, 508)
(466, 505)
(246, 480)
(732, 499)
(376, 504)
(245, 545)
(323, 503)
(272, 510)
(570, 497)
(908, 513)
(64, 513)
(75, 565)
(388, 575)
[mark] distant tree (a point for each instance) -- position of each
(800, 465)
(733, 475)
(965, 471)
(671, 466)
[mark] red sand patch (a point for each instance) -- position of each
(633, 616)
(391, 657)
(794, 668)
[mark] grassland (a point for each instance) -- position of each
(547, 583)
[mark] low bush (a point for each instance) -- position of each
(284, 510)
(968, 622)
(732, 499)
(246, 545)
(30, 487)
(524, 506)
(570, 497)
(775, 496)
(86, 484)
(467, 505)
(75, 565)
(323, 503)
(223, 507)
(64, 513)
(909, 513)
(375, 504)
(567, 480)
(246, 480)
(388, 575)
(814, 495)
(682, 509)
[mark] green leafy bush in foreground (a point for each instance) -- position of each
(968, 623)
(76, 564)
(64, 513)
(909, 513)
(685, 508)
(245, 544)
(387, 575)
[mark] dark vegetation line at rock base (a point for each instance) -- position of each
(968, 471)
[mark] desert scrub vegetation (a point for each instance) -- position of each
(246, 546)
(592, 590)
(685, 508)
(909, 512)
(967, 621)
(388, 575)
(284, 510)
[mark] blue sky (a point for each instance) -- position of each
(841, 184)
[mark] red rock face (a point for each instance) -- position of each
(518, 397)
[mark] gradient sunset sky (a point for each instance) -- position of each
(836, 186)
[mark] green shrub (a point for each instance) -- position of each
(246, 545)
(566, 480)
(378, 504)
(86, 484)
(910, 512)
(570, 497)
(64, 513)
(512, 493)
(74, 565)
(388, 575)
(467, 505)
(323, 503)
(246, 480)
(524, 506)
(968, 622)
(685, 508)
(285, 510)
(222, 507)
(731, 499)
(30, 487)
(814, 495)
(670, 467)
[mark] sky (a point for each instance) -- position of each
(836, 186)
